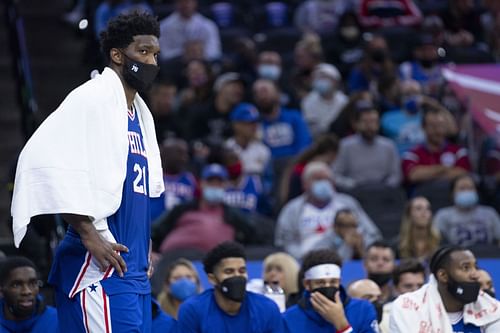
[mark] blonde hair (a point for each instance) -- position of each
(290, 268)
(167, 302)
(407, 238)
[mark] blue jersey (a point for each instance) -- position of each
(179, 189)
(246, 195)
(403, 128)
(44, 321)
(461, 327)
(201, 314)
(287, 135)
(73, 268)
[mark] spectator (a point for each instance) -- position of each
(186, 24)
(181, 282)
(283, 130)
(366, 157)
(462, 23)
(199, 84)
(180, 184)
(320, 16)
(324, 306)
(425, 67)
(379, 265)
(376, 64)
(418, 237)
(228, 306)
(23, 308)
(344, 124)
(205, 223)
(255, 156)
(282, 269)
(365, 289)
(486, 282)
(408, 276)
(163, 102)
(385, 14)
(468, 223)
(308, 53)
(450, 302)
(306, 219)
(346, 49)
(210, 122)
(269, 66)
(162, 322)
(345, 237)
(436, 159)
(323, 104)
(323, 149)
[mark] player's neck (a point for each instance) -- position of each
(226, 305)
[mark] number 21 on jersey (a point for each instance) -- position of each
(140, 179)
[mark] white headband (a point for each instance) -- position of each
(326, 271)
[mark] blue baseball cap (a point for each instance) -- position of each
(245, 112)
(214, 171)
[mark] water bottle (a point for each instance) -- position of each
(277, 294)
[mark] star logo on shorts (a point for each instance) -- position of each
(93, 288)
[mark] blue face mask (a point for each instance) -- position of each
(322, 190)
(213, 194)
(412, 104)
(183, 288)
(270, 72)
(322, 86)
(466, 199)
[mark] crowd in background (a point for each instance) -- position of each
(295, 126)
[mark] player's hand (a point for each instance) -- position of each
(105, 253)
(331, 311)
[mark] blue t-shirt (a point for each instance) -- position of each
(130, 226)
(162, 322)
(202, 314)
(179, 189)
(403, 128)
(287, 135)
(301, 317)
(461, 327)
(247, 196)
(45, 322)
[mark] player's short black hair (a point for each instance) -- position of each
(441, 258)
(8, 264)
(121, 30)
(409, 265)
(222, 251)
(320, 257)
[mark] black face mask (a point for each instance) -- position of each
(234, 288)
(139, 75)
(490, 292)
(328, 292)
(381, 279)
(465, 292)
(378, 55)
(426, 63)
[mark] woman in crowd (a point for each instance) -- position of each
(181, 282)
(281, 269)
(418, 238)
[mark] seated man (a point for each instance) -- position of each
(228, 307)
(305, 220)
(346, 237)
(486, 282)
(450, 302)
(366, 157)
(365, 289)
(162, 322)
(22, 308)
(436, 159)
(379, 262)
(408, 276)
(324, 306)
(205, 223)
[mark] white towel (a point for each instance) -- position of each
(76, 161)
(422, 311)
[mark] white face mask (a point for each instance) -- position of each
(270, 72)
(322, 86)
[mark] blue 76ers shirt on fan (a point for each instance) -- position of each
(73, 269)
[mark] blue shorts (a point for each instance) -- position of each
(93, 311)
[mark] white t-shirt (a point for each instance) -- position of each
(254, 158)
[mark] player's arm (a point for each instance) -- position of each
(104, 252)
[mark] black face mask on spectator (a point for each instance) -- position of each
(381, 279)
(378, 55)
